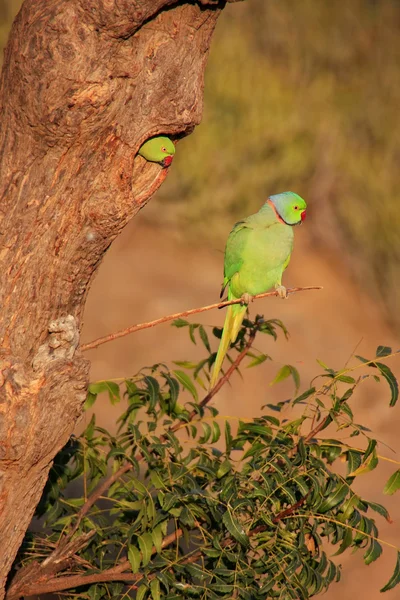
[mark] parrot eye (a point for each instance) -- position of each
(296, 207)
(163, 149)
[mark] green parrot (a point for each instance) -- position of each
(158, 149)
(257, 252)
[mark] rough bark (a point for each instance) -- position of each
(84, 83)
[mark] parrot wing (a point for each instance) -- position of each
(235, 246)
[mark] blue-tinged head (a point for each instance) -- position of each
(290, 208)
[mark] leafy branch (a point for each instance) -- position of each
(55, 562)
(167, 513)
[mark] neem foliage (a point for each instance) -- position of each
(193, 505)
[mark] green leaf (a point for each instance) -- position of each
(334, 499)
(173, 389)
(382, 351)
(257, 360)
(228, 437)
(204, 338)
(139, 486)
(155, 589)
(110, 387)
(235, 528)
(187, 383)
(192, 328)
(255, 428)
(349, 506)
(285, 372)
(324, 366)
(304, 396)
(353, 460)
(187, 364)
(134, 558)
(90, 400)
(381, 510)
(362, 359)
(95, 592)
(145, 542)
(393, 484)
(157, 481)
(374, 551)
(345, 378)
(391, 379)
(179, 323)
(157, 536)
(141, 592)
(216, 432)
(385, 372)
(153, 388)
(206, 433)
(347, 540)
(368, 465)
(395, 578)
(224, 468)
(196, 572)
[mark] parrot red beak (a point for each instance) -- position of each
(166, 161)
(303, 215)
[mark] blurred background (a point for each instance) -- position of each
(300, 96)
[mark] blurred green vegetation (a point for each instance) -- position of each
(302, 96)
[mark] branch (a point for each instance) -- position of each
(117, 573)
(72, 581)
(290, 510)
(133, 328)
(317, 429)
(57, 584)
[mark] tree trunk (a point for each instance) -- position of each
(84, 84)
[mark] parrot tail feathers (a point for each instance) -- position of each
(239, 312)
(233, 321)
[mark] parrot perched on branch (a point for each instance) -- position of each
(158, 149)
(257, 252)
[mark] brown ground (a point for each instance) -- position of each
(149, 273)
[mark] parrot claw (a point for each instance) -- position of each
(246, 299)
(282, 291)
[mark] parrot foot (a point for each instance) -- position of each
(246, 299)
(282, 291)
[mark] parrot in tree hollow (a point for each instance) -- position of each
(158, 149)
(257, 252)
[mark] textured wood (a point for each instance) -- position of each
(84, 83)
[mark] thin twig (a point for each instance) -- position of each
(290, 510)
(185, 313)
(317, 429)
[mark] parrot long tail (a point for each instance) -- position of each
(233, 321)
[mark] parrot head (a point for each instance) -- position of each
(158, 149)
(289, 207)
